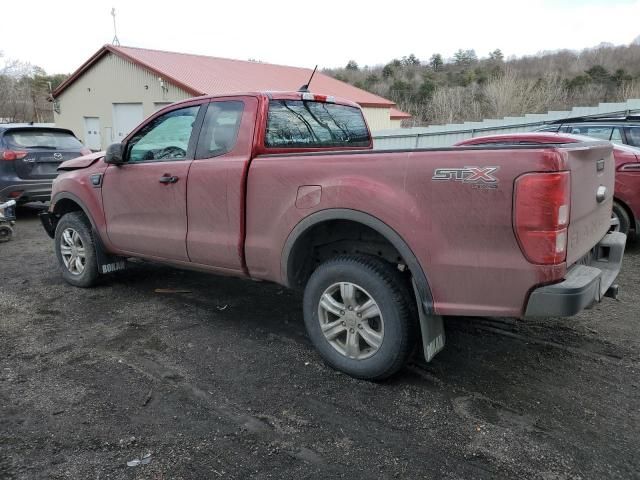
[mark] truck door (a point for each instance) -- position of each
(145, 199)
(215, 197)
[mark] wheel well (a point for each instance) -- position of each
(330, 238)
(66, 205)
(625, 207)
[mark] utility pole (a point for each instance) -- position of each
(115, 40)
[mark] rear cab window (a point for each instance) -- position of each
(312, 124)
(48, 139)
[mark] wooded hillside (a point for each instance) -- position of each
(470, 88)
(24, 92)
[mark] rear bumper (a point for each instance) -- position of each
(31, 190)
(584, 284)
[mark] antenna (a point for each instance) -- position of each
(115, 40)
(305, 87)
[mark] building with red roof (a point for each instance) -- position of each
(117, 87)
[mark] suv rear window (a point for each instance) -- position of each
(308, 124)
(34, 138)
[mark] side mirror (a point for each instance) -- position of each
(115, 154)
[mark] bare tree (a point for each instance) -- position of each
(24, 92)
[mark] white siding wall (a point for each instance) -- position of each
(111, 80)
(378, 118)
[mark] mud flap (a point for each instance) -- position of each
(432, 329)
(107, 263)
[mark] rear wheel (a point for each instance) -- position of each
(360, 316)
(75, 249)
(620, 221)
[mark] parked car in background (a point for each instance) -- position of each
(285, 187)
(29, 159)
(626, 203)
(619, 130)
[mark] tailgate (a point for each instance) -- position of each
(592, 169)
(39, 164)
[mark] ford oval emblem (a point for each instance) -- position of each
(57, 156)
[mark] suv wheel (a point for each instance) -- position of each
(360, 316)
(76, 251)
(6, 233)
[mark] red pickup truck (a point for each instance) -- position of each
(285, 187)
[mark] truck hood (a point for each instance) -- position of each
(81, 162)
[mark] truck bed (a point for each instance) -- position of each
(461, 233)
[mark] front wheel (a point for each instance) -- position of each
(360, 316)
(75, 250)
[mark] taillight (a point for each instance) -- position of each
(629, 167)
(13, 154)
(85, 151)
(541, 216)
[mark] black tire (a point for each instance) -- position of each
(623, 221)
(79, 223)
(6, 233)
(386, 286)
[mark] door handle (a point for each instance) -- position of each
(168, 179)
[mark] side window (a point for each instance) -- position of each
(220, 129)
(165, 138)
(616, 136)
(603, 133)
(633, 136)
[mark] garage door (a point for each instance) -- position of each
(126, 116)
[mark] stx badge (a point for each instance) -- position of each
(478, 177)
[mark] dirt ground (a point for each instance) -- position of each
(221, 382)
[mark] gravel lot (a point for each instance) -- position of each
(221, 382)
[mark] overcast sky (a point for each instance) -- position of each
(60, 35)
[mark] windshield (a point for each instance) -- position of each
(34, 138)
(306, 124)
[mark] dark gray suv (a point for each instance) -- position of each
(29, 158)
(624, 130)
